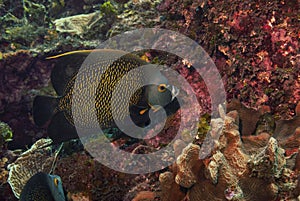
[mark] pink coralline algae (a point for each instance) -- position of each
(254, 45)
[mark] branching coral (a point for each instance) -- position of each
(167, 183)
(232, 171)
(185, 176)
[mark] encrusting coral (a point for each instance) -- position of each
(3, 171)
(232, 171)
(287, 130)
(77, 24)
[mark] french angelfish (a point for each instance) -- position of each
(43, 187)
(58, 110)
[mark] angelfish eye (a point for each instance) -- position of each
(162, 87)
(55, 180)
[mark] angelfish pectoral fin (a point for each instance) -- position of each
(142, 112)
(155, 108)
(138, 114)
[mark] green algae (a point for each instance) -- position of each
(108, 9)
(24, 34)
(203, 126)
(6, 133)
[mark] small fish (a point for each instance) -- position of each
(43, 187)
(117, 64)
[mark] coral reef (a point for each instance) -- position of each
(247, 122)
(232, 172)
(77, 24)
(5, 190)
(38, 158)
(134, 15)
(92, 25)
(263, 126)
(144, 195)
(288, 129)
(255, 46)
(185, 176)
(21, 74)
(167, 183)
(28, 24)
(3, 171)
(83, 176)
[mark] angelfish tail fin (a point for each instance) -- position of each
(44, 107)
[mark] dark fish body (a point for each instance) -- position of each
(103, 70)
(43, 187)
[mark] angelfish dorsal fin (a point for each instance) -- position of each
(66, 67)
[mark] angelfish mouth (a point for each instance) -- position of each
(175, 91)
